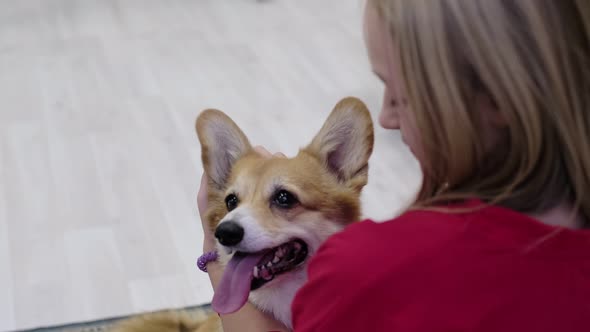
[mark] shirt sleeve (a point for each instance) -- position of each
(333, 299)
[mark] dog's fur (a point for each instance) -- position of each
(170, 321)
(326, 177)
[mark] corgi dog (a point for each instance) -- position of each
(271, 215)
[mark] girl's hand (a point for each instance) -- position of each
(209, 238)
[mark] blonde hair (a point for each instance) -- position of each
(531, 58)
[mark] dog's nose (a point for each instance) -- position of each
(229, 233)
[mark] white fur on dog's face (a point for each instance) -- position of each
(267, 226)
(257, 238)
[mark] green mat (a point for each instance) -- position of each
(104, 325)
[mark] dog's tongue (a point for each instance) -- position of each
(233, 290)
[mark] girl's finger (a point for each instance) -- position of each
(262, 151)
(202, 196)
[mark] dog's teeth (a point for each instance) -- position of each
(276, 260)
(269, 264)
(256, 272)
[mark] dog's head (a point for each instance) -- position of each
(272, 214)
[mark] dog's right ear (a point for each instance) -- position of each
(222, 143)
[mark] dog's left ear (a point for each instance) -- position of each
(345, 142)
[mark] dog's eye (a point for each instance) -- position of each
(285, 199)
(231, 202)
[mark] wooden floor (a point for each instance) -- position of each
(99, 162)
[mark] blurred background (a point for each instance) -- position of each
(99, 161)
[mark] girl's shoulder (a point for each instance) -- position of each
(414, 227)
(413, 232)
(470, 224)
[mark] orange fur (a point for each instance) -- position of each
(169, 321)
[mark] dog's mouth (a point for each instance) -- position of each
(250, 271)
(284, 258)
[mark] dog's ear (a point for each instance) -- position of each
(222, 143)
(345, 142)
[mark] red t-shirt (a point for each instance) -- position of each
(489, 270)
